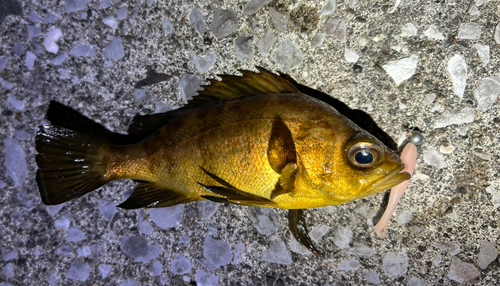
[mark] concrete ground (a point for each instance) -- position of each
(444, 232)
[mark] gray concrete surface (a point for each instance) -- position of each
(454, 205)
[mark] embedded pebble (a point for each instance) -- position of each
(265, 44)
(402, 69)
(336, 28)
(297, 247)
(64, 73)
(350, 264)
(329, 7)
(104, 269)
(129, 283)
(287, 56)
(114, 50)
(487, 254)
(185, 239)
(317, 40)
(487, 92)
(224, 23)
(217, 252)
(395, 264)
(483, 156)
(189, 84)
(351, 56)
(446, 149)
(145, 227)
(64, 250)
(206, 209)
(75, 235)
(34, 31)
(78, 270)
(483, 51)
(108, 209)
(244, 48)
(457, 67)
(121, 13)
(167, 217)
(469, 31)
(451, 248)
(111, 22)
(277, 253)
(9, 254)
(433, 158)
(50, 40)
(15, 162)
(62, 223)
(238, 249)
(404, 218)
(167, 27)
(433, 33)
(474, 11)
(156, 268)
(342, 237)
(437, 259)
(318, 232)
(22, 135)
(3, 63)
(83, 251)
(462, 272)
(254, 5)
(5, 84)
(408, 30)
(8, 270)
(13, 103)
(52, 210)
(197, 21)
(18, 49)
(50, 18)
(33, 16)
(139, 249)
(280, 20)
(466, 115)
(265, 220)
(361, 251)
(75, 5)
(372, 277)
(415, 281)
(59, 59)
(203, 278)
(30, 60)
(82, 51)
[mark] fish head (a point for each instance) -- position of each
(365, 166)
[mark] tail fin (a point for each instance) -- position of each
(69, 164)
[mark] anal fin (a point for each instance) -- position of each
(150, 195)
(297, 225)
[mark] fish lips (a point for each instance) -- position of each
(393, 178)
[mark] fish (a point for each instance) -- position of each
(251, 140)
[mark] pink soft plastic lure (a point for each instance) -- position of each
(409, 158)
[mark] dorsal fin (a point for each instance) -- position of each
(234, 87)
(229, 88)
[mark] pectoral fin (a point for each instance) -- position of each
(297, 225)
(286, 183)
(150, 195)
(231, 194)
(281, 148)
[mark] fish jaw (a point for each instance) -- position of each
(392, 179)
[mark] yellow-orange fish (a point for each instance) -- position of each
(253, 140)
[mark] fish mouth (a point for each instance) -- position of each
(392, 179)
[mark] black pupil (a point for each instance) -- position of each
(363, 157)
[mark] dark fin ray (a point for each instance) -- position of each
(68, 164)
(216, 199)
(297, 225)
(145, 125)
(286, 183)
(281, 148)
(239, 197)
(150, 195)
(234, 87)
(64, 116)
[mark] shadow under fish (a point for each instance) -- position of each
(255, 140)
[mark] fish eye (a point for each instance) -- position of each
(365, 154)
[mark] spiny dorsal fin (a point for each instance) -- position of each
(251, 83)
